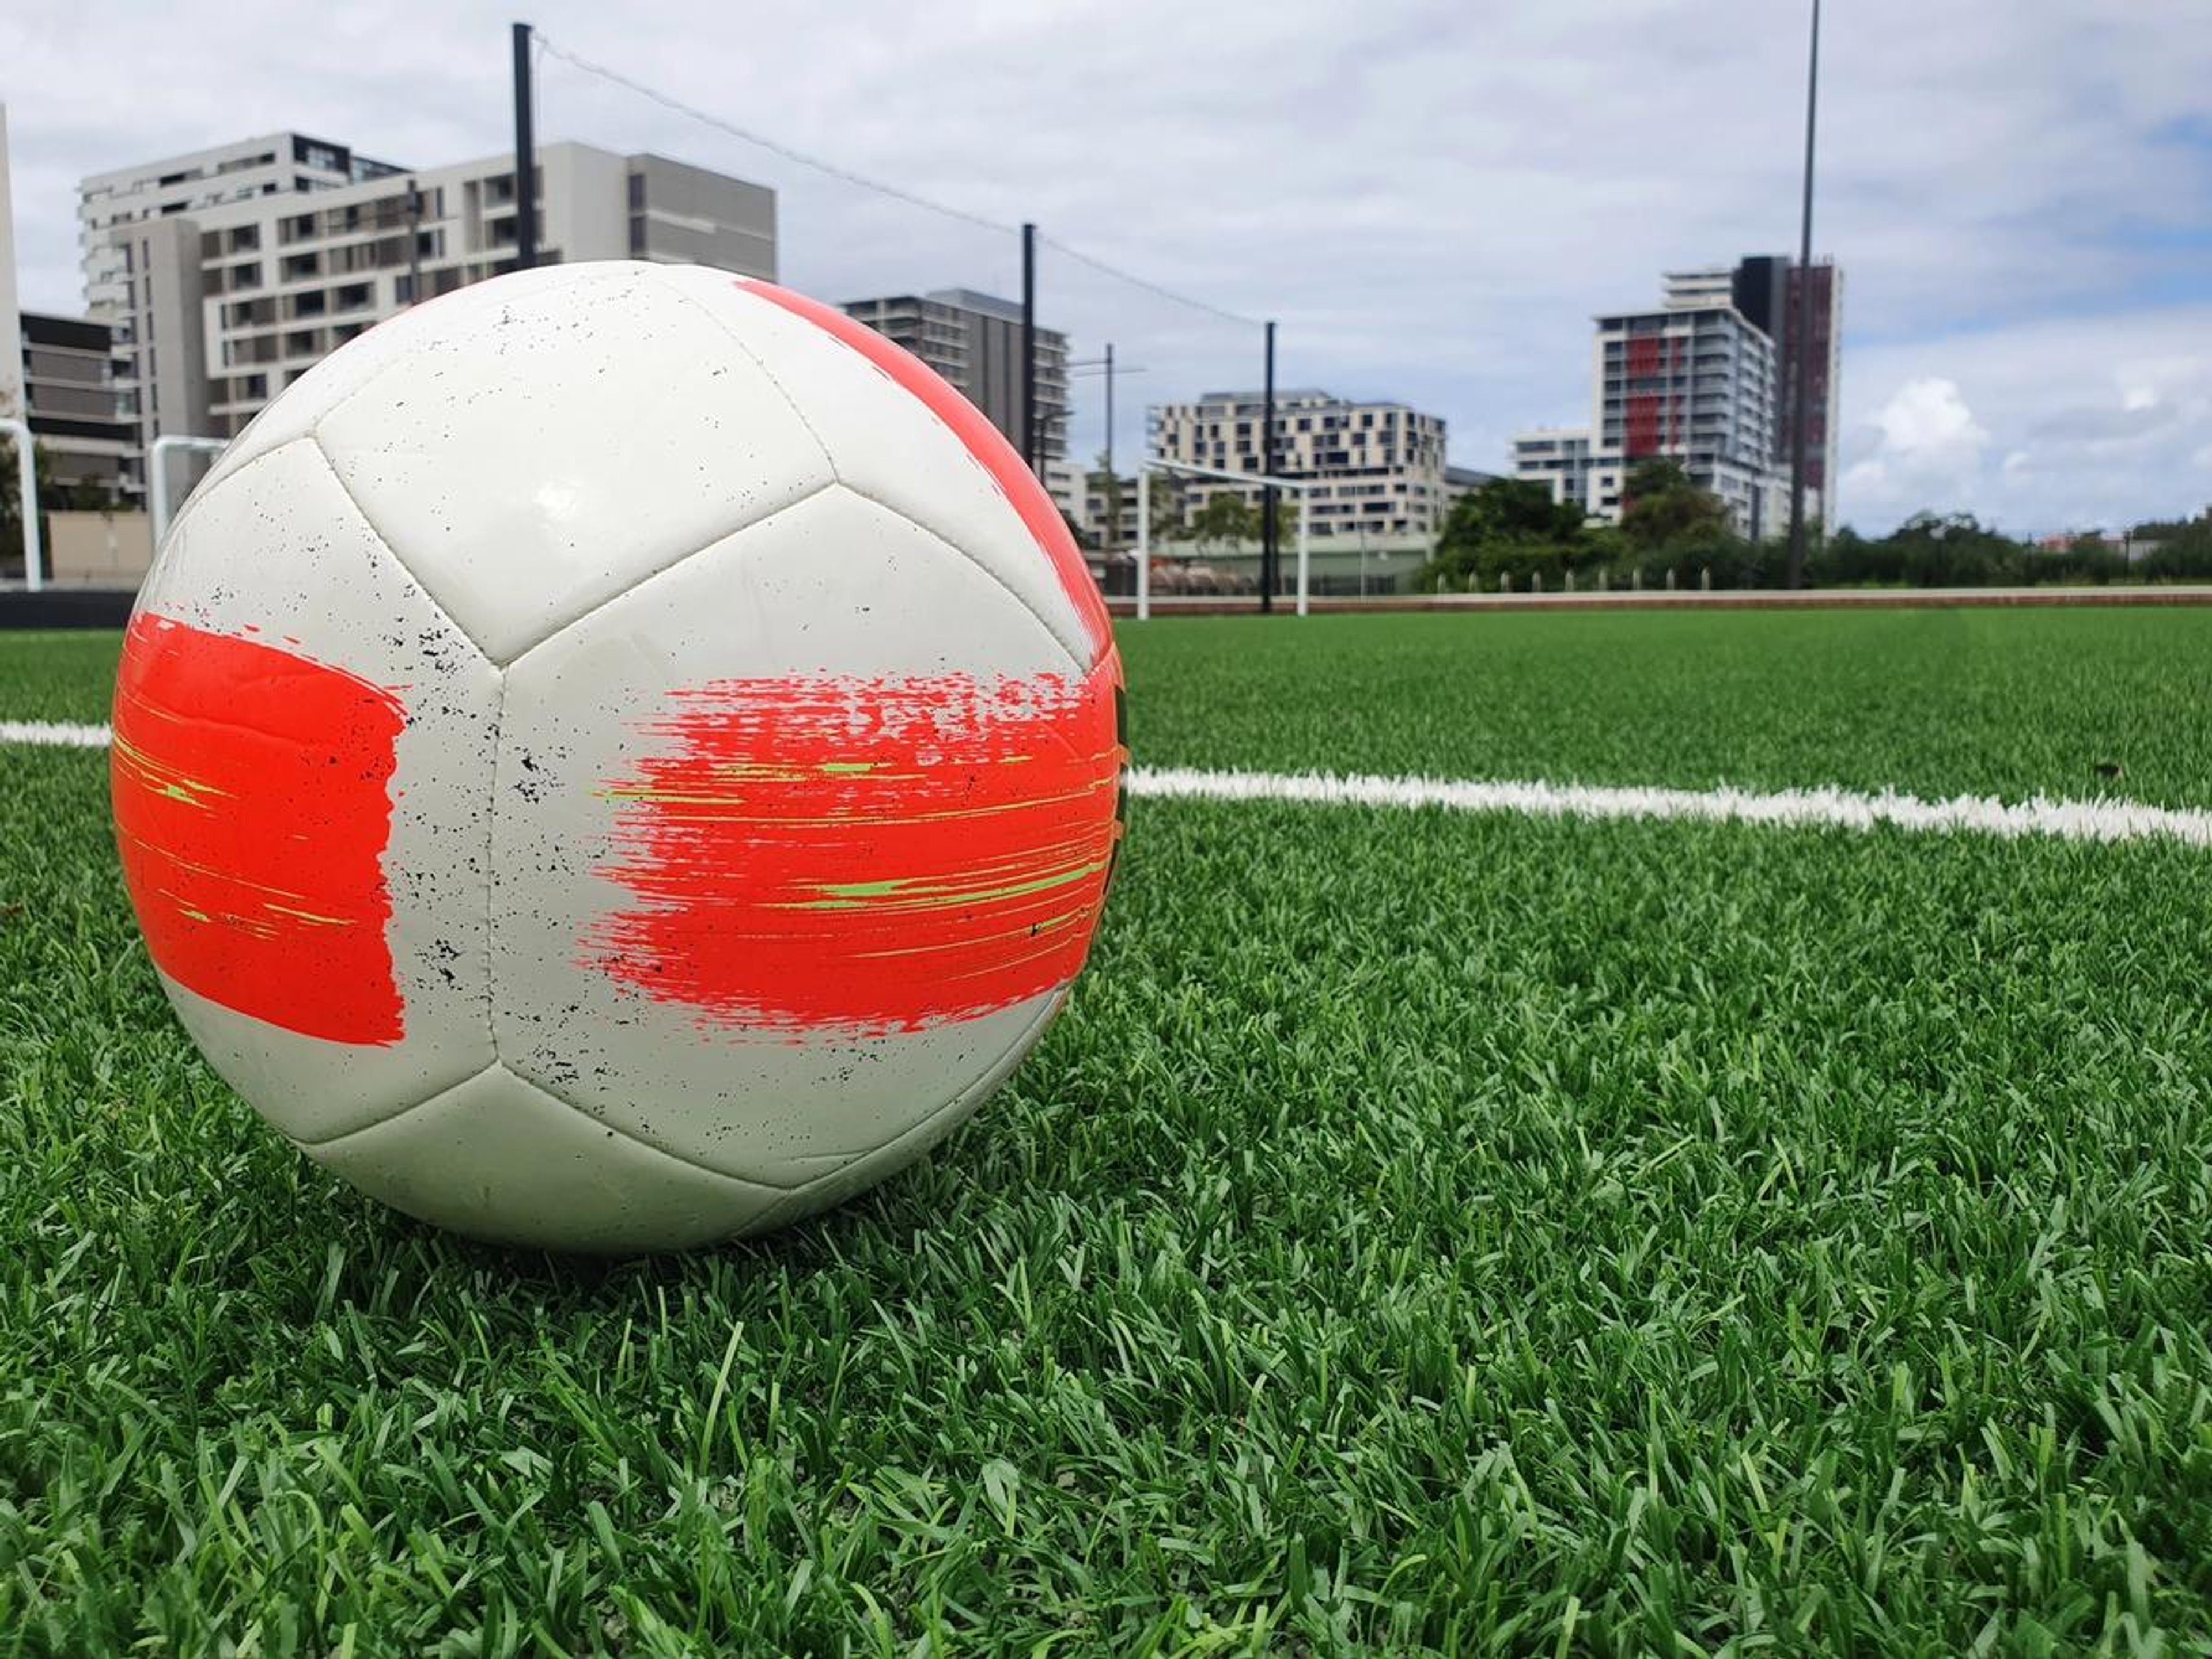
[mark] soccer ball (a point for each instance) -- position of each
(617, 757)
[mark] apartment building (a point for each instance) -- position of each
(1380, 465)
(975, 341)
(1704, 380)
(78, 416)
(219, 304)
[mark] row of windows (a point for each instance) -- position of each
(393, 212)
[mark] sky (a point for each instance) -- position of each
(1431, 197)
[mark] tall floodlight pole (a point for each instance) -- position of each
(1029, 346)
(525, 157)
(1268, 548)
(1801, 328)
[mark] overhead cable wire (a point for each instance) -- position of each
(746, 135)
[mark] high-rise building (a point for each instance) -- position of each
(1703, 380)
(1764, 287)
(218, 306)
(70, 376)
(1695, 387)
(1381, 465)
(975, 341)
(278, 164)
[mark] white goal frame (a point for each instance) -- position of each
(26, 485)
(157, 477)
(1151, 464)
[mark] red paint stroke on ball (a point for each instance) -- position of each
(1039, 514)
(251, 814)
(873, 855)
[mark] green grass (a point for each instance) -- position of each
(1934, 703)
(1423, 1233)
(62, 674)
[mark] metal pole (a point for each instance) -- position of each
(27, 487)
(1029, 346)
(157, 480)
(1268, 552)
(525, 157)
(1801, 326)
(1144, 542)
(413, 243)
(1305, 499)
(1113, 483)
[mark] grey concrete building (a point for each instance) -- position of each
(218, 306)
(975, 341)
(78, 414)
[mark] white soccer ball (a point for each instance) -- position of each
(617, 757)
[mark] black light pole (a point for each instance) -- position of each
(1801, 328)
(1029, 346)
(525, 157)
(1267, 550)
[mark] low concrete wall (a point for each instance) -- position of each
(98, 549)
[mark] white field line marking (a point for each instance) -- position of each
(2067, 820)
(56, 733)
(1842, 809)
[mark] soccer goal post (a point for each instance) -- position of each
(157, 476)
(1151, 464)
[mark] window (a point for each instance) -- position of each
(403, 290)
(313, 303)
(299, 266)
(244, 239)
(257, 386)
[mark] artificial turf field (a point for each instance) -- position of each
(1423, 1233)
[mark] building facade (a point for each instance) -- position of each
(1765, 287)
(251, 169)
(975, 341)
(1558, 458)
(1696, 386)
(79, 417)
(1380, 465)
(1703, 380)
(218, 308)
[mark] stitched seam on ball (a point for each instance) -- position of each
(1073, 656)
(201, 491)
(638, 1139)
(392, 1116)
(491, 873)
(531, 1083)
(737, 340)
(677, 563)
(397, 558)
(967, 1097)
(1081, 668)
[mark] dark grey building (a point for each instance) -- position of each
(975, 341)
(80, 415)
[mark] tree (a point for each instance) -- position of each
(1662, 506)
(1505, 527)
(1226, 517)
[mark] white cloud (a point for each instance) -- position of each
(2100, 421)
(1433, 196)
